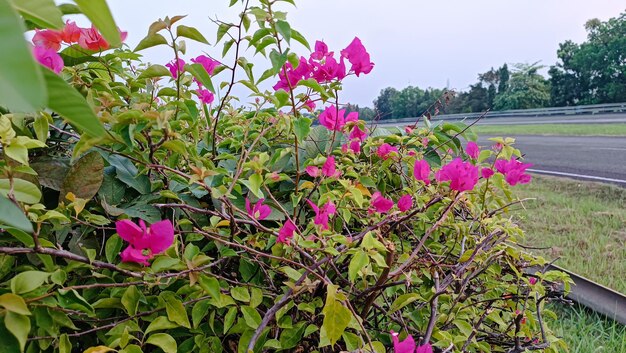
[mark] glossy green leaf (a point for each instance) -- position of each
(191, 33)
(22, 86)
(19, 326)
(151, 40)
(199, 72)
(130, 299)
(160, 323)
(28, 281)
(359, 260)
(302, 127)
(11, 215)
(67, 102)
(43, 13)
(251, 316)
(284, 29)
(100, 15)
(14, 303)
(403, 301)
(163, 341)
(154, 71)
(175, 310)
(23, 191)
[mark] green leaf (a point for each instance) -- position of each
(403, 301)
(277, 60)
(23, 191)
(19, 326)
(84, 177)
(283, 98)
(254, 184)
(14, 303)
(199, 311)
(175, 310)
(191, 33)
(28, 281)
(43, 13)
(300, 38)
(130, 300)
(359, 260)
(128, 174)
(17, 152)
(210, 285)
(70, 299)
(251, 316)
(240, 293)
(41, 128)
(199, 72)
(284, 29)
(65, 346)
(112, 247)
(336, 318)
(221, 31)
(154, 71)
(229, 318)
(151, 40)
(11, 215)
(100, 15)
(160, 323)
(163, 341)
(22, 86)
(70, 104)
(302, 127)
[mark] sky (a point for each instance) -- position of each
(412, 42)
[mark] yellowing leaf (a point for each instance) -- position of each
(98, 349)
(223, 223)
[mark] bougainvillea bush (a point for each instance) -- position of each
(147, 208)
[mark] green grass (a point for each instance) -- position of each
(581, 223)
(587, 332)
(553, 129)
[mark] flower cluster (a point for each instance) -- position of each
(324, 67)
(177, 67)
(462, 176)
(47, 43)
(514, 171)
(408, 345)
(144, 242)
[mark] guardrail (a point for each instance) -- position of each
(575, 110)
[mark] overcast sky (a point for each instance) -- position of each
(412, 42)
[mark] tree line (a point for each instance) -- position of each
(593, 72)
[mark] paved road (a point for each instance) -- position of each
(582, 157)
(534, 120)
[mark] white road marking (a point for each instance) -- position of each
(573, 175)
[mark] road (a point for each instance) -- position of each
(596, 158)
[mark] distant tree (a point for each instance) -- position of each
(382, 104)
(594, 71)
(504, 76)
(526, 89)
(491, 95)
(365, 113)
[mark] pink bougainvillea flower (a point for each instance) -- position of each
(144, 242)
(334, 119)
(421, 171)
(329, 169)
(486, 172)
(91, 39)
(48, 38)
(259, 211)
(463, 176)
(290, 76)
(310, 105)
(472, 150)
(355, 146)
(286, 232)
(385, 150)
(357, 133)
(313, 171)
(425, 141)
(49, 58)
(425, 348)
(381, 204)
(405, 346)
(322, 214)
(532, 281)
(208, 63)
(205, 96)
(405, 203)
(176, 67)
(359, 57)
(514, 171)
(70, 33)
(321, 51)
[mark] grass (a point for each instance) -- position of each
(587, 332)
(553, 129)
(581, 223)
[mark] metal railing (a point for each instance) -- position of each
(518, 113)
